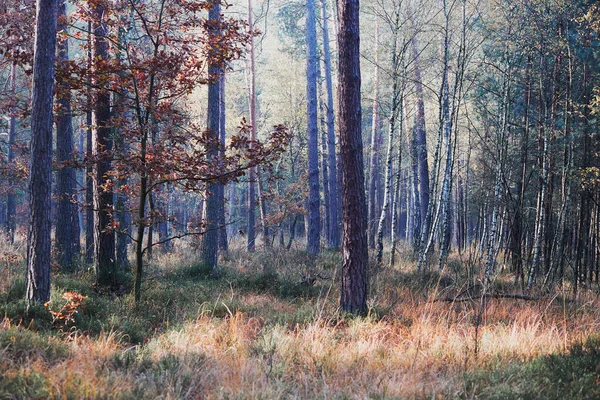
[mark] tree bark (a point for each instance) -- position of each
(11, 209)
(354, 206)
(397, 182)
(334, 197)
(67, 223)
(40, 165)
(223, 243)
(397, 94)
(210, 237)
(104, 236)
(314, 220)
(324, 166)
(89, 181)
(420, 137)
(374, 178)
(251, 229)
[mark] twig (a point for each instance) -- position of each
(489, 296)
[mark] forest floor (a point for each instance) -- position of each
(257, 332)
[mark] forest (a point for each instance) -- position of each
(300, 199)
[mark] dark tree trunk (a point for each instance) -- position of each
(210, 238)
(150, 238)
(104, 235)
(416, 200)
(420, 140)
(324, 167)
(40, 165)
(223, 244)
(314, 219)
(354, 206)
(67, 223)
(334, 197)
(12, 132)
(251, 228)
(89, 196)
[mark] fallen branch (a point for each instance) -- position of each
(514, 296)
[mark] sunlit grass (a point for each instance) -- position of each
(254, 333)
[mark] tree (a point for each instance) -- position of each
(67, 222)
(11, 225)
(354, 206)
(251, 230)
(104, 234)
(40, 166)
(214, 190)
(333, 237)
(398, 54)
(314, 219)
(163, 147)
(376, 138)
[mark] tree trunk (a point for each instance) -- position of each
(11, 209)
(251, 230)
(420, 138)
(397, 183)
(374, 178)
(354, 207)
(324, 166)
(262, 205)
(517, 218)
(67, 224)
(223, 244)
(450, 113)
(40, 165)
(314, 220)
(416, 218)
(334, 197)
(210, 238)
(397, 95)
(150, 237)
(89, 181)
(104, 235)
(502, 142)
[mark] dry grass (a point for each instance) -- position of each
(409, 347)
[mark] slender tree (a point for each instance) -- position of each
(104, 235)
(40, 165)
(374, 178)
(333, 238)
(314, 219)
(223, 243)
(12, 134)
(214, 190)
(251, 229)
(67, 222)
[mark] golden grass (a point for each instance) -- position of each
(420, 348)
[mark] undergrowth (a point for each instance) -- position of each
(267, 326)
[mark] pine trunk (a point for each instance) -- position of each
(40, 166)
(210, 238)
(67, 224)
(354, 206)
(251, 227)
(334, 197)
(104, 237)
(314, 219)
